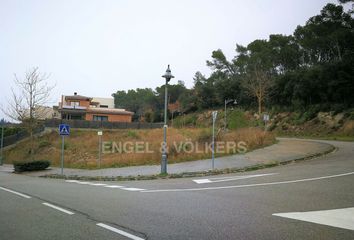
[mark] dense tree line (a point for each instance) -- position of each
(147, 103)
(312, 67)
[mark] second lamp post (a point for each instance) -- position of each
(168, 77)
(227, 101)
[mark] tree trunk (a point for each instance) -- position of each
(31, 144)
(259, 106)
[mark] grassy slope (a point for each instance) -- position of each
(325, 125)
(81, 147)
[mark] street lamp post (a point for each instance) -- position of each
(214, 115)
(226, 102)
(168, 77)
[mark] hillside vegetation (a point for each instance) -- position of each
(311, 123)
(81, 147)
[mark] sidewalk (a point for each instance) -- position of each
(285, 150)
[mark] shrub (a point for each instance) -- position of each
(272, 127)
(204, 136)
(351, 117)
(337, 108)
(31, 166)
(8, 131)
(44, 143)
(236, 119)
(190, 120)
(132, 134)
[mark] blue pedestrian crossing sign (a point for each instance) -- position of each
(64, 130)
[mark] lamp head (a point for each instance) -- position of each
(168, 74)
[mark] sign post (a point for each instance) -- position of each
(99, 133)
(265, 119)
(214, 114)
(64, 130)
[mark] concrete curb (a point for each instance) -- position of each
(193, 174)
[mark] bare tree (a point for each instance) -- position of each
(27, 103)
(258, 83)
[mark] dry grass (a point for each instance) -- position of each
(81, 147)
(348, 128)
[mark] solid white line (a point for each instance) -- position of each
(128, 235)
(133, 189)
(247, 185)
(341, 218)
(14, 192)
(226, 179)
(58, 208)
(113, 186)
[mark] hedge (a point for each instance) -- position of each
(31, 166)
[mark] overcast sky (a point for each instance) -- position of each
(100, 46)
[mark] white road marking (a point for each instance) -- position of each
(225, 179)
(341, 218)
(84, 183)
(98, 184)
(72, 181)
(58, 208)
(133, 189)
(14, 192)
(248, 185)
(107, 186)
(113, 186)
(199, 181)
(116, 230)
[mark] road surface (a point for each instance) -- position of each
(313, 199)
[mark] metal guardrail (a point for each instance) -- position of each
(54, 123)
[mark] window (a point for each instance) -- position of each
(104, 106)
(100, 118)
(74, 104)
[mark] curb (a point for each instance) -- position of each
(193, 174)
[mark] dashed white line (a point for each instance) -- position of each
(98, 184)
(14, 192)
(72, 181)
(116, 230)
(84, 183)
(58, 208)
(113, 186)
(133, 189)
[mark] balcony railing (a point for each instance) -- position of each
(73, 107)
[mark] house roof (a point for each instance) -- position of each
(109, 111)
(77, 97)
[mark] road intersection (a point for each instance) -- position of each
(311, 199)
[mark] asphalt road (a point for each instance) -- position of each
(221, 207)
